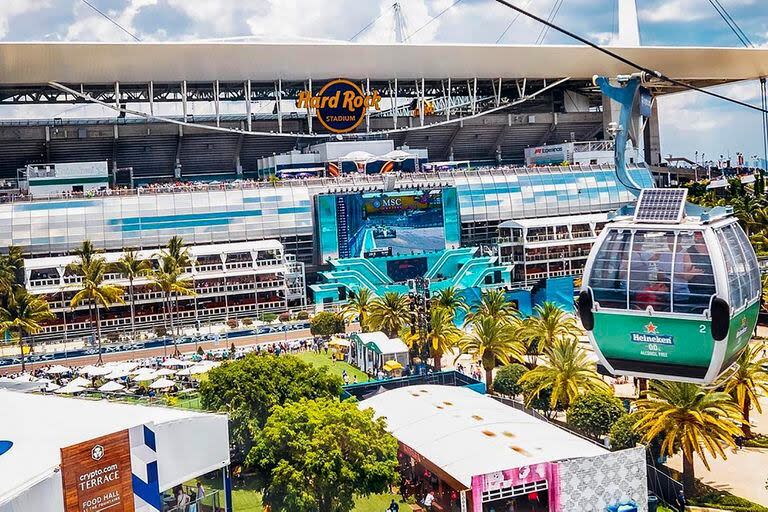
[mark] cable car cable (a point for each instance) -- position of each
(498, 39)
(552, 16)
(624, 60)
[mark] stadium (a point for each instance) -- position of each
(472, 166)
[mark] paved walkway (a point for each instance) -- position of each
(743, 473)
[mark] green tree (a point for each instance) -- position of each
(11, 272)
(316, 455)
(450, 299)
(548, 324)
(493, 303)
(568, 372)
(390, 313)
(23, 315)
(326, 323)
(169, 279)
(93, 291)
(507, 379)
(85, 253)
(491, 340)
(749, 382)
(249, 388)
(359, 307)
(132, 267)
(690, 419)
(594, 413)
(623, 434)
(442, 337)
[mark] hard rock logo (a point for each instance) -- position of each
(340, 105)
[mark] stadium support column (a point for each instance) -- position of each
(247, 92)
(309, 109)
(394, 105)
(216, 102)
(651, 137)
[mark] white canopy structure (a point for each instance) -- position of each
(173, 362)
(80, 382)
(111, 387)
(69, 389)
(58, 370)
(162, 384)
(30, 478)
(164, 372)
(466, 434)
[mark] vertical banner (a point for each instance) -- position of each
(96, 475)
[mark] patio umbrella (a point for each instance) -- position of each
(52, 386)
(97, 371)
(79, 382)
(144, 376)
(57, 370)
(162, 384)
(69, 389)
(164, 372)
(176, 362)
(111, 387)
(24, 377)
(392, 365)
(117, 373)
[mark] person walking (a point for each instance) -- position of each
(680, 501)
(429, 499)
(393, 506)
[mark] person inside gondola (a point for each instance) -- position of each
(684, 272)
(702, 284)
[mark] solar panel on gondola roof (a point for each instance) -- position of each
(662, 205)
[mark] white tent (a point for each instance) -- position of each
(30, 478)
(111, 387)
(397, 155)
(144, 376)
(69, 389)
(80, 382)
(96, 371)
(164, 372)
(162, 384)
(57, 370)
(176, 362)
(358, 156)
(52, 386)
(24, 377)
(199, 368)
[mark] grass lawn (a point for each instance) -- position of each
(246, 499)
(336, 367)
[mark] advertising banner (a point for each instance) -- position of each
(482, 485)
(96, 475)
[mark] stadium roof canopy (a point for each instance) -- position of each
(102, 63)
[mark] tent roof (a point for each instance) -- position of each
(32, 63)
(381, 343)
(42, 425)
(467, 434)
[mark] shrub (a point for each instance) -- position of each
(284, 317)
(594, 413)
(302, 315)
(623, 434)
(268, 317)
(247, 321)
(507, 380)
(326, 323)
(232, 323)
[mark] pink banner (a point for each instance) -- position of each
(512, 478)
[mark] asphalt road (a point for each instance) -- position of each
(159, 351)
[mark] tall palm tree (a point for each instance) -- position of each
(132, 267)
(359, 306)
(749, 382)
(7, 276)
(548, 324)
(568, 372)
(95, 292)
(450, 299)
(15, 259)
(85, 252)
(168, 279)
(177, 255)
(389, 313)
(688, 418)
(492, 341)
(493, 303)
(443, 336)
(23, 316)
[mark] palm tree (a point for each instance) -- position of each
(568, 372)
(443, 335)
(749, 382)
(493, 303)
(492, 341)
(177, 255)
(359, 306)
(23, 315)
(85, 252)
(95, 292)
(548, 324)
(389, 313)
(168, 279)
(688, 418)
(451, 299)
(7, 276)
(132, 267)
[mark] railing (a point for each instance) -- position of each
(53, 281)
(556, 256)
(239, 264)
(547, 237)
(346, 182)
(218, 267)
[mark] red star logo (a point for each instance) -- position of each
(650, 328)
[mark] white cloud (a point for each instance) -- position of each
(90, 25)
(11, 8)
(685, 11)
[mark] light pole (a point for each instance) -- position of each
(419, 298)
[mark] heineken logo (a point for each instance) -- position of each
(651, 336)
(743, 328)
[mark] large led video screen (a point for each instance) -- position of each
(408, 222)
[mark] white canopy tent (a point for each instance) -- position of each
(111, 387)
(30, 479)
(69, 389)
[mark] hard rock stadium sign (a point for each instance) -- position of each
(340, 105)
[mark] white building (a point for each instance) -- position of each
(231, 280)
(46, 180)
(598, 152)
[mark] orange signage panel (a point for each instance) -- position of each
(97, 475)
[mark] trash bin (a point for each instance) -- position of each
(653, 503)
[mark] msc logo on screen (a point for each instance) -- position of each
(340, 105)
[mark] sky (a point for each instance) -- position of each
(690, 122)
